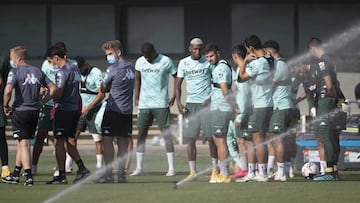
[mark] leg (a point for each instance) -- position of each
(191, 154)
(122, 143)
(169, 146)
(108, 154)
(129, 153)
(4, 153)
(140, 150)
(38, 146)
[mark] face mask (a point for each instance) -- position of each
(54, 67)
(12, 64)
(111, 59)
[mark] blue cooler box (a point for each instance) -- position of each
(349, 157)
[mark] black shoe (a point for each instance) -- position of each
(29, 182)
(57, 180)
(81, 174)
(11, 179)
(105, 179)
(336, 175)
(122, 179)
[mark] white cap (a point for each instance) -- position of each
(196, 41)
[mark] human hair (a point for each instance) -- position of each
(20, 52)
(147, 49)
(272, 44)
(62, 46)
(80, 60)
(54, 51)
(314, 42)
(112, 44)
(253, 41)
(211, 47)
(239, 50)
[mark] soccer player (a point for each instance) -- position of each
(221, 108)
(4, 153)
(91, 97)
(45, 118)
(282, 109)
(119, 82)
(66, 114)
(257, 68)
(152, 72)
(27, 81)
(326, 94)
(195, 70)
(244, 104)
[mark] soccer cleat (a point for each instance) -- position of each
(271, 174)
(170, 173)
(29, 182)
(291, 175)
(223, 179)
(57, 180)
(239, 174)
(122, 178)
(214, 175)
(11, 179)
(261, 178)
(336, 175)
(280, 178)
(81, 174)
(326, 177)
(247, 178)
(137, 172)
(5, 172)
(191, 176)
(105, 179)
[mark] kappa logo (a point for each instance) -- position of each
(106, 132)
(58, 133)
(276, 128)
(322, 123)
(250, 126)
(31, 80)
(129, 75)
(16, 136)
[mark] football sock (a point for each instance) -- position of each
(99, 160)
(322, 167)
(271, 162)
(139, 160)
(243, 163)
(80, 164)
(170, 158)
(17, 170)
(280, 169)
(214, 162)
(192, 165)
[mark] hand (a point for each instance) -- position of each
(181, 109)
(171, 101)
(8, 111)
(237, 123)
(249, 58)
(85, 111)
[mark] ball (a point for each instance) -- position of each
(309, 170)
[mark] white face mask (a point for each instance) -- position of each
(111, 59)
(54, 67)
(12, 64)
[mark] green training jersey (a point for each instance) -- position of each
(197, 75)
(258, 70)
(154, 81)
(221, 74)
(282, 92)
(92, 82)
(243, 96)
